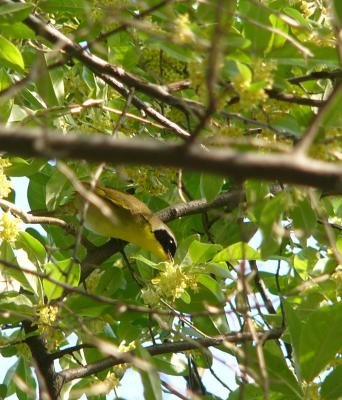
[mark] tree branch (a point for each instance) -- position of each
(228, 200)
(174, 347)
(116, 76)
(290, 98)
(313, 76)
(52, 382)
(285, 168)
(69, 350)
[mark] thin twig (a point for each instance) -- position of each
(315, 75)
(173, 391)
(313, 129)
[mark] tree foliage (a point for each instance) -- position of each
(224, 118)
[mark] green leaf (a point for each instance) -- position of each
(239, 70)
(32, 246)
(337, 7)
(10, 54)
(170, 364)
(304, 217)
(50, 84)
(260, 15)
(320, 341)
(56, 188)
(87, 307)
(332, 385)
(36, 191)
(287, 124)
(64, 271)
(150, 378)
(219, 269)
(3, 391)
(74, 8)
(316, 339)
(33, 280)
(296, 15)
(277, 40)
(210, 186)
(305, 261)
(331, 117)
(212, 285)
(19, 304)
(281, 379)
(250, 392)
(17, 30)
(25, 374)
(270, 220)
(112, 280)
(5, 106)
(227, 232)
(199, 252)
(295, 327)
(21, 167)
(256, 191)
(13, 12)
(236, 252)
(8, 380)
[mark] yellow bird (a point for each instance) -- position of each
(131, 220)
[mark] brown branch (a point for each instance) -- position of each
(259, 124)
(228, 200)
(43, 220)
(33, 219)
(173, 391)
(119, 87)
(51, 382)
(260, 285)
(314, 76)
(69, 350)
(174, 347)
(290, 98)
(116, 76)
(285, 168)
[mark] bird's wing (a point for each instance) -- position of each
(125, 201)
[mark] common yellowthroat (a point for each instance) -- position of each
(130, 220)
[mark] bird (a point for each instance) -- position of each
(131, 221)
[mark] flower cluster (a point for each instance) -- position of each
(170, 283)
(182, 30)
(48, 315)
(9, 227)
(5, 184)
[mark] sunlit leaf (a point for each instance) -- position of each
(10, 54)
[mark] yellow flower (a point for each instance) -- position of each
(48, 314)
(5, 184)
(112, 381)
(9, 227)
(52, 336)
(173, 281)
(183, 32)
(150, 296)
(5, 162)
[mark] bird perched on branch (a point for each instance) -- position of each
(129, 219)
